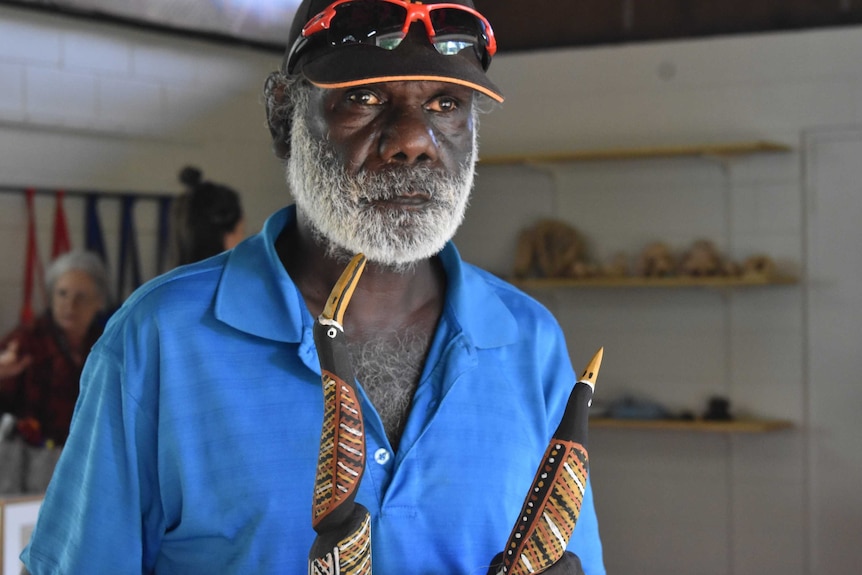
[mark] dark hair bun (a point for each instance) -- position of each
(191, 176)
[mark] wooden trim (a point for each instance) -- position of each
(646, 282)
(597, 155)
(733, 426)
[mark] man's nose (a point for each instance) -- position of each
(408, 137)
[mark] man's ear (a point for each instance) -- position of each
(278, 115)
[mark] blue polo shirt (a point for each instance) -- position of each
(195, 438)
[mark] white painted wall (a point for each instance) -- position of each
(92, 106)
(676, 502)
(86, 106)
(684, 503)
(834, 305)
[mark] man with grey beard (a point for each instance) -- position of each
(195, 441)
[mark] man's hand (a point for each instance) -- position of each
(569, 564)
(10, 364)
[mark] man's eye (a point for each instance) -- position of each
(364, 98)
(443, 104)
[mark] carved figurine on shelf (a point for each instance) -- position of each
(655, 261)
(703, 260)
(758, 265)
(551, 248)
(583, 269)
(617, 267)
(559, 247)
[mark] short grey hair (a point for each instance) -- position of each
(281, 93)
(85, 261)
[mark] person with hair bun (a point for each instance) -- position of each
(207, 218)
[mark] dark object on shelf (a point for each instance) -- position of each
(686, 416)
(718, 409)
(632, 408)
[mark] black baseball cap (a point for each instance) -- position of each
(329, 63)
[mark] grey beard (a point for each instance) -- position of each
(340, 207)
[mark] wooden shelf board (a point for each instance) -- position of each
(644, 282)
(733, 426)
(698, 151)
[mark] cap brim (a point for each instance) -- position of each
(359, 64)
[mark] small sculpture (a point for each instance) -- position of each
(656, 261)
(551, 249)
(702, 260)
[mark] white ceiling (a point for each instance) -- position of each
(257, 21)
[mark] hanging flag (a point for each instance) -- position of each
(94, 238)
(162, 247)
(61, 244)
(128, 249)
(33, 273)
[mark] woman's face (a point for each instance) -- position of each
(75, 302)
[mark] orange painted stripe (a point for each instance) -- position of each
(364, 81)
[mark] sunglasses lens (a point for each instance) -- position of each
(456, 30)
(367, 22)
(382, 23)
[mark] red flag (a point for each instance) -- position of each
(32, 265)
(61, 230)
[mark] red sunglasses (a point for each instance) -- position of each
(451, 28)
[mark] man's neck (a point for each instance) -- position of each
(384, 300)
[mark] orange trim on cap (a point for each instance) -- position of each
(364, 81)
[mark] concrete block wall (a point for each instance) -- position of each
(683, 503)
(93, 107)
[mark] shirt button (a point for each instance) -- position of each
(381, 456)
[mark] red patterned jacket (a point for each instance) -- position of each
(47, 390)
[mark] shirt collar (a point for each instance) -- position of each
(257, 296)
(474, 299)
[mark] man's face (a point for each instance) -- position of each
(385, 169)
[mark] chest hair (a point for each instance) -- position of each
(389, 367)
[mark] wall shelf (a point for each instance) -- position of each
(663, 282)
(722, 151)
(733, 426)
